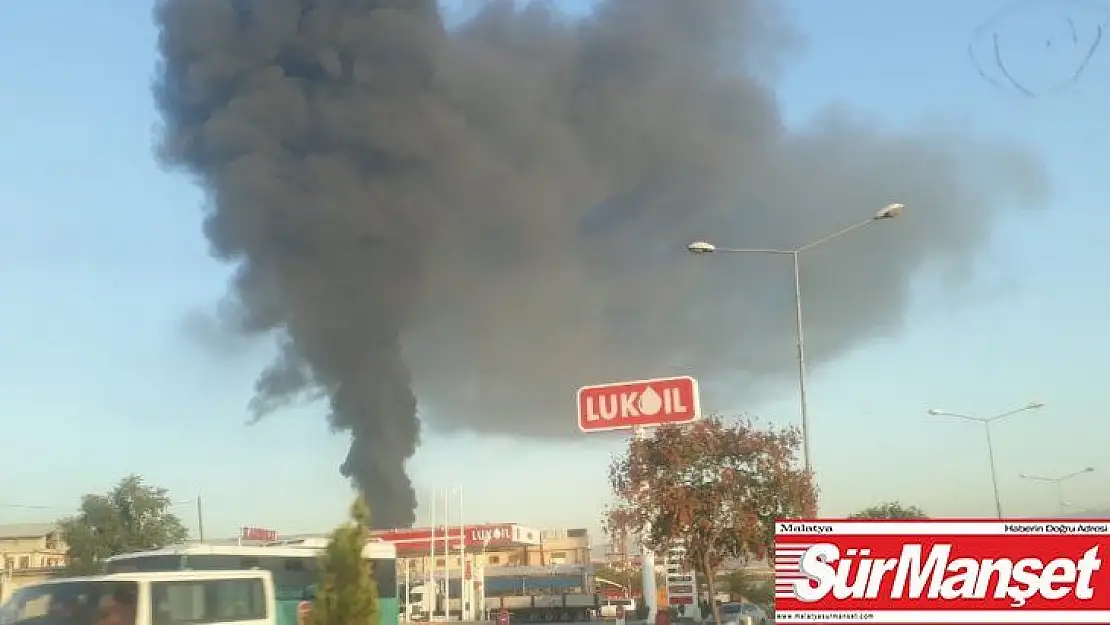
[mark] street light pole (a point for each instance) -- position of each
(800, 338)
(889, 211)
(987, 421)
(994, 471)
(1058, 483)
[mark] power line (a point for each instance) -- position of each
(27, 506)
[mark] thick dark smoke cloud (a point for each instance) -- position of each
(498, 211)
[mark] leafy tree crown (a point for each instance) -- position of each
(890, 510)
(131, 517)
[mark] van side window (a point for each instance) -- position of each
(71, 602)
(207, 601)
(117, 605)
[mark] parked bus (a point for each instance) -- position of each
(293, 565)
(157, 598)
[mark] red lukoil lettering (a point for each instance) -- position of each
(634, 404)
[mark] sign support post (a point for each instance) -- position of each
(682, 584)
(647, 557)
(636, 406)
(408, 592)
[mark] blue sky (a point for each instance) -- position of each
(101, 259)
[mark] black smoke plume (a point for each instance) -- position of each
(500, 207)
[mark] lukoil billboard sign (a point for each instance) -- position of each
(638, 404)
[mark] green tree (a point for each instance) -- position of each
(130, 517)
(890, 510)
(713, 488)
(740, 583)
(347, 593)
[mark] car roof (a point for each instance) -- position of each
(153, 576)
(302, 548)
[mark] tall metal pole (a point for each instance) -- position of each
(799, 334)
(200, 519)
(481, 598)
(647, 560)
(1058, 484)
(889, 211)
(408, 591)
(431, 591)
(990, 443)
(446, 554)
(464, 582)
(994, 472)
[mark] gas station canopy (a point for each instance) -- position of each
(474, 537)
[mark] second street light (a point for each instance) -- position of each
(987, 421)
(1058, 483)
(889, 211)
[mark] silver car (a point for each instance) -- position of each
(741, 613)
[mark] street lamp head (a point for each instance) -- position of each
(1023, 476)
(890, 211)
(936, 412)
(1035, 405)
(1089, 470)
(701, 247)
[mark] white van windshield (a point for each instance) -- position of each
(73, 603)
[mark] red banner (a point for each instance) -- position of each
(942, 571)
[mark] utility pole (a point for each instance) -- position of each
(200, 519)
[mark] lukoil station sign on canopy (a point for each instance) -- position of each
(637, 404)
